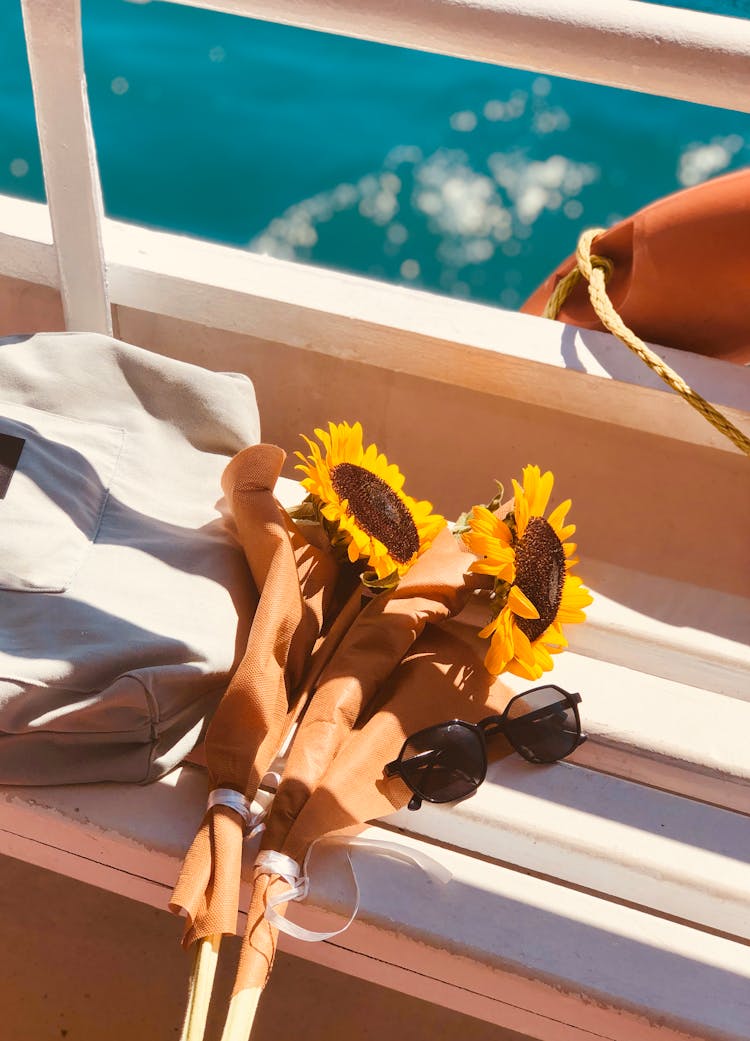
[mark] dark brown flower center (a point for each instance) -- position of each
(540, 574)
(377, 509)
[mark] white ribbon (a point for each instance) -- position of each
(269, 862)
(253, 813)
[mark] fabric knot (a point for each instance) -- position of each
(270, 862)
(252, 813)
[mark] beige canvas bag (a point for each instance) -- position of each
(125, 600)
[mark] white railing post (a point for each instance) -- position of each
(71, 176)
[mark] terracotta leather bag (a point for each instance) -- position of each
(681, 272)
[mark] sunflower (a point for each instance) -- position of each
(530, 559)
(360, 496)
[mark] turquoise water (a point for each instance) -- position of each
(429, 171)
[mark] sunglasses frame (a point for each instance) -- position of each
(485, 728)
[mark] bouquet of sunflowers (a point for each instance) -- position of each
(390, 667)
(359, 498)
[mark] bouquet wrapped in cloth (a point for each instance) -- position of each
(420, 572)
(433, 590)
(295, 584)
(332, 776)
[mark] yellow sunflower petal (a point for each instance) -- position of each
(554, 638)
(570, 615)
(393, 476)
(331, 512)
(500, 650)
(556, 519)
(370, 458)
(575, 593)
(325, 439)
(380, 465)
(520, 509)
(520, 604)
(489, 629)
(356, 451)
(543, 493)
(575, 596)
(522, 646)
(497, 657)
(491, 549)
(542, 657)
(487, 567)
(526, 672)
(483, 522)
(538, 488)
(530, 477)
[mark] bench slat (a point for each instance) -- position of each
(630, 842)
(564, 963)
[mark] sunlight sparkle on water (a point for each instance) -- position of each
(700, 161)
(19, 167)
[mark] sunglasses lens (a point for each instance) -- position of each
(542, 725)
(444, 763)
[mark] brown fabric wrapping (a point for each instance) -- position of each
(295, 584)
(441, 678)
(434, 589)
(681, 271)
(258, 948)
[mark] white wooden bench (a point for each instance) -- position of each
(606, 897)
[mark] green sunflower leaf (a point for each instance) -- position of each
(370, 580)
(497, 499)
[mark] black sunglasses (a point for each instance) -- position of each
(449, 761)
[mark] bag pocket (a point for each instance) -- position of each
(56, 474)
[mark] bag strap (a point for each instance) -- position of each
(597, 270)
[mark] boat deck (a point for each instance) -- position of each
(606, 897)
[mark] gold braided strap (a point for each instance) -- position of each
(596, 270)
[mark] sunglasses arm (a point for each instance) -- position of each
(429, 757)
(394, 770)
